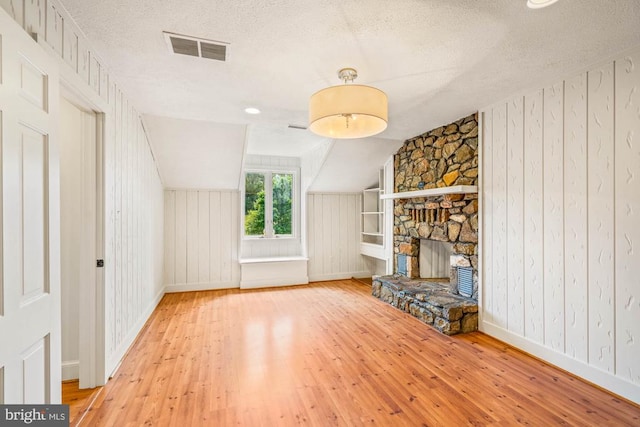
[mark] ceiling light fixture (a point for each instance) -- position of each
(251, 110)
(348, 111)
(539, 4)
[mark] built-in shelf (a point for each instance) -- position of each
(372, 250)
(372, 218)
(376, 222)
(431, 192)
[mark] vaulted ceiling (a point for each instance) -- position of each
(437, 60)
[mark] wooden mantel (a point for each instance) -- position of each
(432, 192)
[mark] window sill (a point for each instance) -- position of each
(260, 238)
(271, 259)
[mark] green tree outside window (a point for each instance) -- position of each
(258, 201)
(254, 204)
(282, 191)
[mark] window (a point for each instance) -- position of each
(268, 204)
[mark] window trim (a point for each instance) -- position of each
(268, 188)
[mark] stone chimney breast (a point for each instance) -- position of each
(443, 157)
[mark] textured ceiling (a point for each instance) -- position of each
(438, 60)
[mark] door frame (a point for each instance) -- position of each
(90, 244)
(92, 326)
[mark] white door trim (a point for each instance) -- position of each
(99, 327)
(92, 330)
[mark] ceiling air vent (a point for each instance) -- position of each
(193, 46)
(300, 127)
(213, 51)
(184, 46)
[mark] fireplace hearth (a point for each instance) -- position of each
(429, 301)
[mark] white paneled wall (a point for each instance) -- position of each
(601, 228)
(133, 229)
(133, 190)
(334, 236)
(561, 215)
(575, 217)
(499, 216)
(515, 200)
(533, 310)
(201, 240)
(553, 250)
(627, 217)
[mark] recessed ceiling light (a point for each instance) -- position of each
(538, 4)
(251, 110)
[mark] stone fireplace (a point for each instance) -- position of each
(425, 231)
(444, 157)
(435, 238)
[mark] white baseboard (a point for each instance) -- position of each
(70, 370)
(590, 373)
(113, 360)
(339, 276)
(274, 283)
(187, 287)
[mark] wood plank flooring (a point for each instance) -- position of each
(79, 401)
(330, 354)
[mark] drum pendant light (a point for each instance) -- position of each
(348, 110)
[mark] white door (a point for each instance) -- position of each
(30, 251)
(77, 144)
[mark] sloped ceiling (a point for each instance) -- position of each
(197, 154)
(274, 140)
(352, 165)
(437, 60)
